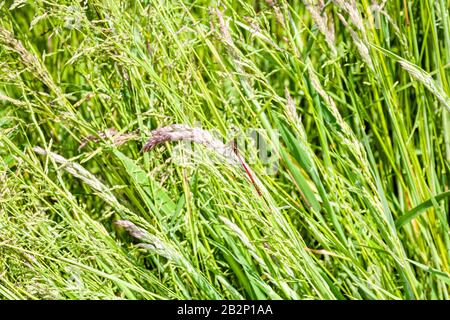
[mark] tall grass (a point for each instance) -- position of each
(357, 92)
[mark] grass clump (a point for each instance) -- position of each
(352, 99)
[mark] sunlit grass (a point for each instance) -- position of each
(356, 93)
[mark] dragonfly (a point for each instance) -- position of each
(245, 166)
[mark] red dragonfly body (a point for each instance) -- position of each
(246, 168)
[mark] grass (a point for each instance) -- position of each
(356, 93)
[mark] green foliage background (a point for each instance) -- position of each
(358, 93)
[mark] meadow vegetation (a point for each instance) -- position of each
(352, 96)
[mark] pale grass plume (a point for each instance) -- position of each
(224, 25)
(348, 137)
(149, 241)
(181, 132)
(255, 31)
(359, 43)
(227, 39)
(132, 229)
(290, 105)
(11, 100)
(163, 248)
(378, 8)
(29, 60)
(323, 22)
(244, 239)
(84, 175)
(17, 4)
(316, 84)
(321, 252)
(279, 16)
(277, 11)
(350, 7)
(427, 80)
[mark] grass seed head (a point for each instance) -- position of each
(181, 132)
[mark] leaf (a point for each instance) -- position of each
(407, 217)
(306, 163)
(150, 190)
(444, 276)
